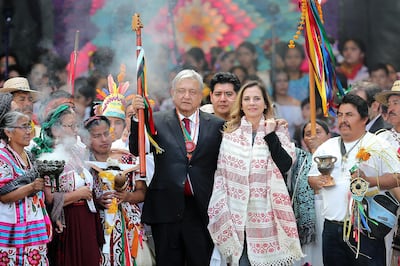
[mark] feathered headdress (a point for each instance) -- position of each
(114, 98)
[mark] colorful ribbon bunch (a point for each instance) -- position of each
(319, 52)
(148, 112)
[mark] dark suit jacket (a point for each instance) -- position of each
(379, 124)
(165, 200)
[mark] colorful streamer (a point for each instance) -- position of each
(142, 77)
(319, 52)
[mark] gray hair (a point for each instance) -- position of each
(369, 88)
(9, 121)
(187, 74)
(5, 103)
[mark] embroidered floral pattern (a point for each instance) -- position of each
(4, 259)
(34, 257)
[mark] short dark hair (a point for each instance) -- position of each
(95, 121)
(225, 77)
(360, 44)
(85, 87)
(379, 66)
(358, 102)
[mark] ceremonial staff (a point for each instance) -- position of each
(137, 26)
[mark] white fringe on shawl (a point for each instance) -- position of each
(250, 199)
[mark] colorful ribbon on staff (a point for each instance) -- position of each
(148, 112)
(319, 52)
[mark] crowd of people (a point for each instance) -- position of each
(233, 173)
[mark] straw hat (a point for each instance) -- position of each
(383, 96)
(18, 84)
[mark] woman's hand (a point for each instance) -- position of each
(122, 196)
(37, 185)
(270, 125)
(84, 193)
(105, 199)
(59, 227)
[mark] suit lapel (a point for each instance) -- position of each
(174, 126)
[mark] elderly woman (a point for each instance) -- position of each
(25, 225)
(120, 248)
(79, 233)
(251, 217)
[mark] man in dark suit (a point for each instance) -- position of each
(367, 90)
(177, 198)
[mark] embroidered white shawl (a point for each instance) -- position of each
(250, 199)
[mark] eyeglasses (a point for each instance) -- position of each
(26, 127)
(71, 126)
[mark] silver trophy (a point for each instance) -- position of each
(325, 164)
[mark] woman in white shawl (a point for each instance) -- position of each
(251, 218)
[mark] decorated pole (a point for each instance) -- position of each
(137, 27)
(320, 57)
(72, 63)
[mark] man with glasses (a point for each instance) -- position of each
(224, 87)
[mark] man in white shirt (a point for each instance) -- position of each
(379, 170)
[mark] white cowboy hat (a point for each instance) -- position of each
(382, 97)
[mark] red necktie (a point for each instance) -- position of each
(187, 189)
(187, 124)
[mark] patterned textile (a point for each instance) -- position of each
(250, 199)
(303, 197)
(127, 221)
(80, 235)
(25, 224)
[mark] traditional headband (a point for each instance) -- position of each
(44, 143)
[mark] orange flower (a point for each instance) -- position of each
(363, 155)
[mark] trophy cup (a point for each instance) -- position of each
(325, 164)
(52, 169)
